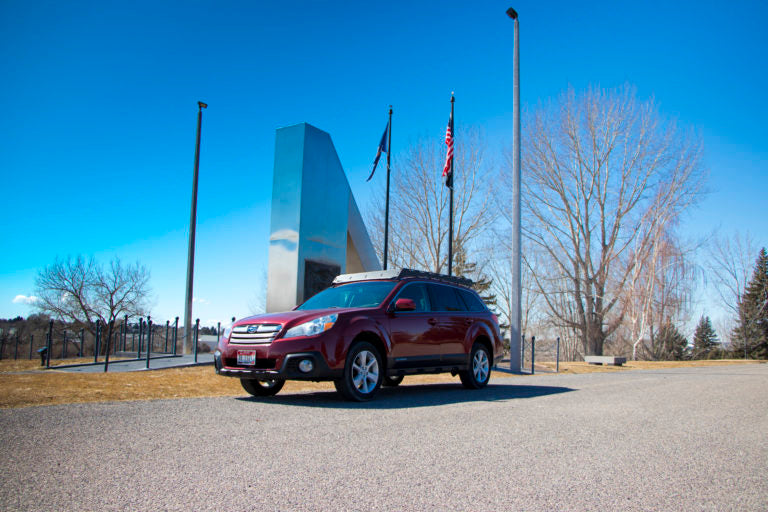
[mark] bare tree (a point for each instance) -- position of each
(80, 290)
(500, 270)
(419, 206)
(659, 291)
(604, 175)
(730, 266)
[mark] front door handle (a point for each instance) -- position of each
(432, 321)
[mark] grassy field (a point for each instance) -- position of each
(21, 385)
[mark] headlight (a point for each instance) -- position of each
(227, 332)
(312, 327)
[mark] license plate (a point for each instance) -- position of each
(246, 357)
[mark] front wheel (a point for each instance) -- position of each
(479, 369)
(363, 373)
(259, 387)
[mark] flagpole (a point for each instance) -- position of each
(450, 211)
(386, 207)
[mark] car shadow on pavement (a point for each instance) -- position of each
(404, 397)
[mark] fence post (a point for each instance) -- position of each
(522, 350)
(149, 338)
(175, 334)
(197, 327)
(50, 345)
(557, 368)
(97, 342)
(533, 352)
(31, 344)
(218, 332)
(109, 340)
(141, 332)
(167, 326)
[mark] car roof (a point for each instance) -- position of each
(400, 275)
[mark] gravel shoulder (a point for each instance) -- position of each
(672, 439)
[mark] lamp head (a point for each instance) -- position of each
(512, 13)
(202, 105)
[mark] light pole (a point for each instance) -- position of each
(516, 313)
(192, 221)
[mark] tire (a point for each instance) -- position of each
(363, 373)
(259, 387)
(392, 382)
(479, 372)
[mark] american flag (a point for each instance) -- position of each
(447, 169)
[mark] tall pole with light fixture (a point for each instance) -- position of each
(516, 306)
(192, 222)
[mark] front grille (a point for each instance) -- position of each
(254, 334)
(261, 364)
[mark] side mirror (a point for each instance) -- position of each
(405, 305)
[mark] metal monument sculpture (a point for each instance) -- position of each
(316, 230)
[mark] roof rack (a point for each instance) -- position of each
(401, 274)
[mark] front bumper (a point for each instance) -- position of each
(288, 371)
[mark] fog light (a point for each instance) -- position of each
(306, 365)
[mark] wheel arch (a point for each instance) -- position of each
(483, 339)
(375, 340)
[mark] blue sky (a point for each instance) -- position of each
(98, 103)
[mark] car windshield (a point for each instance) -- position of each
(366, 294)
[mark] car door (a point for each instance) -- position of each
(452, 322)
(413, 343)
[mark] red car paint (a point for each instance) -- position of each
(409, 342)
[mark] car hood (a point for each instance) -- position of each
(293, 317)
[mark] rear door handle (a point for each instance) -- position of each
(469, 321)
(432, 321)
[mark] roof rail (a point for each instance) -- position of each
(401, 274)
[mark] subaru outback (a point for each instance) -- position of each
(365, 331)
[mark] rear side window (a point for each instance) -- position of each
(445, 298)
(418, 294)
(472, 301)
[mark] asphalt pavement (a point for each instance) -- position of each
(677, 439)
(156, 362)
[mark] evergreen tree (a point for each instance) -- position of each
(704, 340)
(672, 345)
(751, 333)
(482, 283)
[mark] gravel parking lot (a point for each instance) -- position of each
(678, 439)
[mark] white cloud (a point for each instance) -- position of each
(23, 299)
(201, 301)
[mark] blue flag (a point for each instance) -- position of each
(382, 149)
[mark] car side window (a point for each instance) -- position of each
(418, 294)
(445, 298)
(471, 300)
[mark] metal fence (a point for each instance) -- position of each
(108, 344)
(542, 355)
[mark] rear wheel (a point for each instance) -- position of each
(392, 382)
(363, 373)
(479, 372)
(259, 387)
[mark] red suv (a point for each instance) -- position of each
(364, 331)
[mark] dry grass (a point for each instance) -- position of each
(60, 387)
(581, 367)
